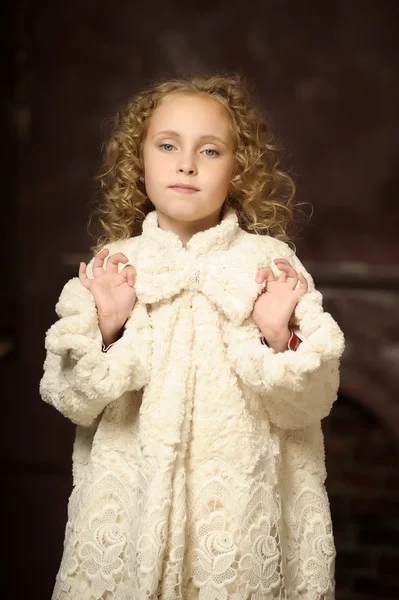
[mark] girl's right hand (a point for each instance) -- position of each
(113, 292)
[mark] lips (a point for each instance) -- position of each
(184, 189)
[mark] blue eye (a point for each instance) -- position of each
(167, 147)
(215, 152)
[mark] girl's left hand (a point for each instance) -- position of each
(274, 306)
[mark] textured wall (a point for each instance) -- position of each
(363, 486)
(328, 74)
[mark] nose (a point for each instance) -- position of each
(187, 165)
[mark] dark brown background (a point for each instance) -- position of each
(328, 74)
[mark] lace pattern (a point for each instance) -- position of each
(223, 542)
(310, 555)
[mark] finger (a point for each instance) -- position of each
(83, 274)
(131, 274)
(284, 262)
(99, 262)
(114, 260)
(264, 274)
(288, 274)
(282, 266)
(281, 260)
(303, 285)
(287, 268)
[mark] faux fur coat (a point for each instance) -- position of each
(198, 464)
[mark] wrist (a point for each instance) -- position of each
(278, 340)
(108, 340)
(111, 330)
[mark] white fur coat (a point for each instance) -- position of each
(199, 461)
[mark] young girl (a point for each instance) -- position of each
(195, 358)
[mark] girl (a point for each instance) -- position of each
(195, 358)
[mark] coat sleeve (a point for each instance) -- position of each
(297, 388)
(79, 379)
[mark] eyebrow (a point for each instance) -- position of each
(202, 137)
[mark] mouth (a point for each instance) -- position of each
(184, 189)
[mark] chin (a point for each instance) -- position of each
(183, 212)
(187, 217)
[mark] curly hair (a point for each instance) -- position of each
(260, 192)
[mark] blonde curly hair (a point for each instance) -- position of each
(260, 192)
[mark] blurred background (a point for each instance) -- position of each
(327, 73)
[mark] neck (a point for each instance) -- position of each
(186, 230)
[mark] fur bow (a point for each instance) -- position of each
(226, 278)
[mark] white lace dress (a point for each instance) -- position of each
(198, 462)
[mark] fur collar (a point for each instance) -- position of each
(219, 237)
(211, 264)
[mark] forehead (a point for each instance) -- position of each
(191, 113)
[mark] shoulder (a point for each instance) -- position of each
(265, 246)
(126, 246)
(74, 299)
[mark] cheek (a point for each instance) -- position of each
(223, 176)
(159, 162)
(153, 166)
(146, 162)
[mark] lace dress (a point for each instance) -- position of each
(198, 463)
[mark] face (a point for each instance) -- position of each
(188, 158)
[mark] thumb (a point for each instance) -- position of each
(130, 273)
(84, 280)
